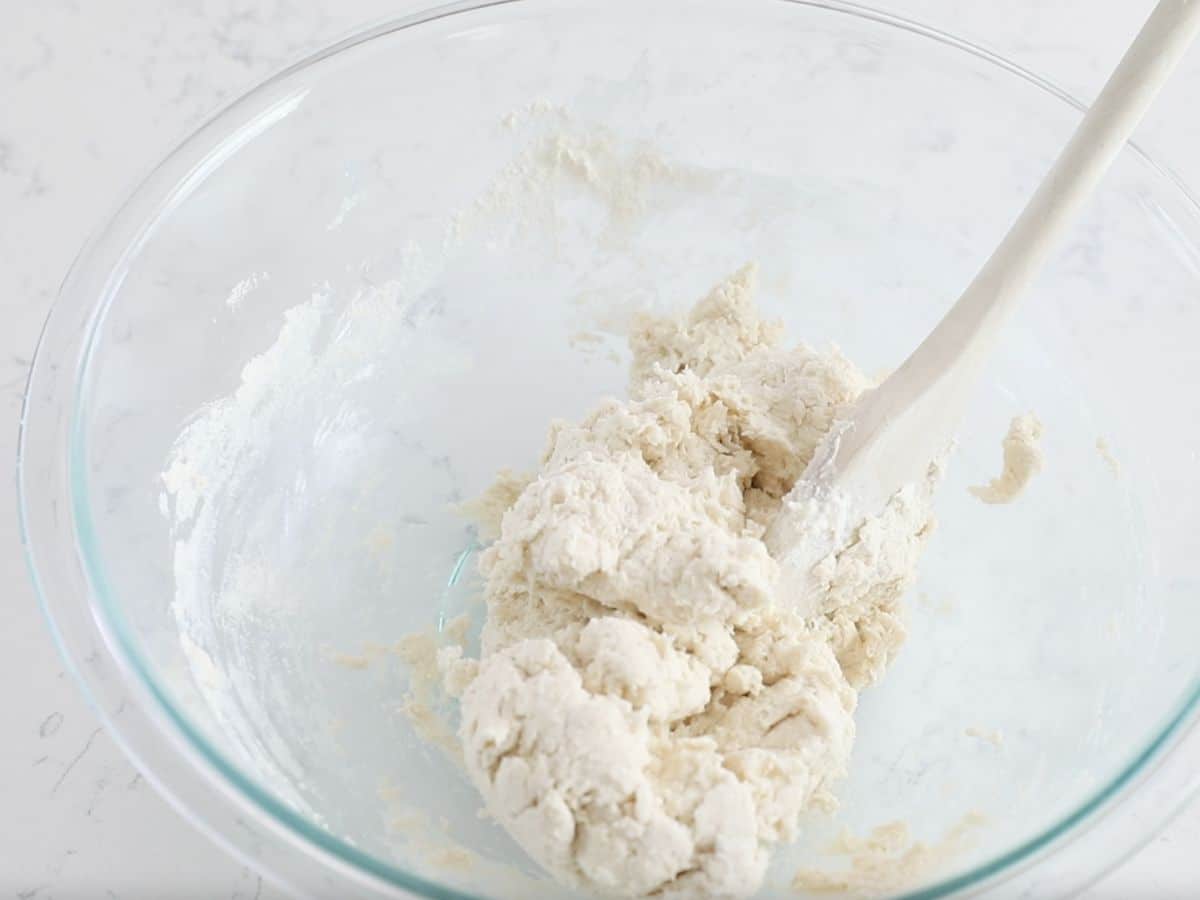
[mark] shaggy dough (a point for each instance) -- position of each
(1023, 458)
(649, 714)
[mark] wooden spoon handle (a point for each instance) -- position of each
(910, 418)
(993, 294)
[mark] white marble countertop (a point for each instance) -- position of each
(91, 95)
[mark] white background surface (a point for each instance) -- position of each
(91, 95)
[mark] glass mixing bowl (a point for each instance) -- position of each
(350, 298)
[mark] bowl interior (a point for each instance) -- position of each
(376, 281)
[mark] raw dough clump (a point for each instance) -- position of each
(1023, 458)
(649, 714)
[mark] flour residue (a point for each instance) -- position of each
(888, 859)
(1106, 454)
(443, 856)
(568, 159)
(245, 288)
(992, 736)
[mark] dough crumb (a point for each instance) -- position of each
(584, 339)
(943, 606)
(888, 859)
(431, 726)
(455, 630)
(991, 736)
(436, 848)
(1114, 465)
(1023, 458)
(455, 859)
(424, 703)
(1112, 627)
(371, 651)
(457, 672)
(419, 652)
(488, 509)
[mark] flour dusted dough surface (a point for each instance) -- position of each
(650, 714)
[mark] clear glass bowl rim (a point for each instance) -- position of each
(109, 620)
